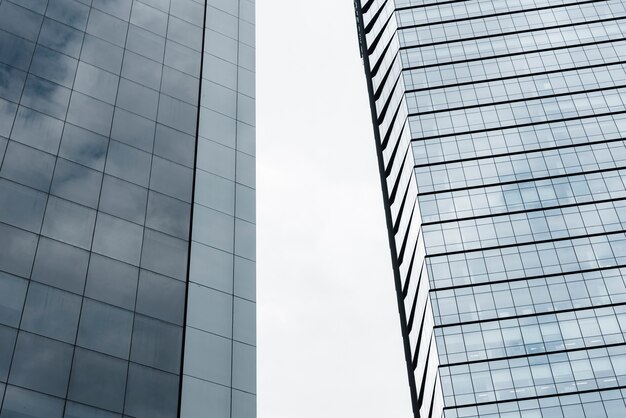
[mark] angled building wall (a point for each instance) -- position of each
(513, 114)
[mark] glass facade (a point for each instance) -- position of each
(500, 131)
(127, 209)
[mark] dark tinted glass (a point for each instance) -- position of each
(7, 344)
(112, 281)
(28, 166)
(128, 163)
(61, 37)
(37, 130)
(156, 344)
(45, 97)
(151, 393)
(69, 222)
(102, 54)
(123, 199)
(133, 130)
(84, 147)
(60, 265)
(17, 250)
(117, 238)
(51, 312)
(21, 206)
(33, 369)
(160, 297)
(76, 410)
(21, 403)
(98, 380)
(105, 328)
(12, 295)
(168, 215)
(76, 183)
(164, 254)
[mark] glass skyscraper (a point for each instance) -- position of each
(500, 129)
(127, 209)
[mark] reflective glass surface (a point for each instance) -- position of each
(500, 128)
(102, 106)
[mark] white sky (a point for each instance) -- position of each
(329, 341)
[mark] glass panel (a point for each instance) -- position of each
(112, 281)
(17, 250)
(151, 393)
(156, 344)
(83, 147)
(118, 239)
(200, 396)
(98, 380)
(69, 222)
(105, 328)
(160, 297)
(60, 265)
(165, 254)
(212, 268)
(123, 199)
(76, 183)
(12, 295)
(210, 310)
(7, 344)
(41, 364)
(51, 312)
(207, 356)
(168, 215)
(22, 403)
(21, 206)
(28, 166)
(244, 367)
(37, 130)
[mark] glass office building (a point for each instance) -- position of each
(127, 209)
(500, 129)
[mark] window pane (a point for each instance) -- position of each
(165, 254)
(123, 199)
(117, 238)
(41, 364)
(98, 380)
(51, 312)
(76, 183)
(12, 295)
(69, 222)
(156, 344)
(60, 265)
(151, 393)
(161, 297)
(105, 328)
(112, 281)
(20, 403)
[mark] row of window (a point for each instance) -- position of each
(541, 375)
(527, 87)
(547, 193)
(527, 260)
(508, 44)
(440, 12)
(515, 65)
(526, 297)
(604, 404)
(516, 139)
(529, 20)
(521, 167)
(533, 335)
(517, 113)
(525, 227)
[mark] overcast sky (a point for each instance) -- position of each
(329, 341)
